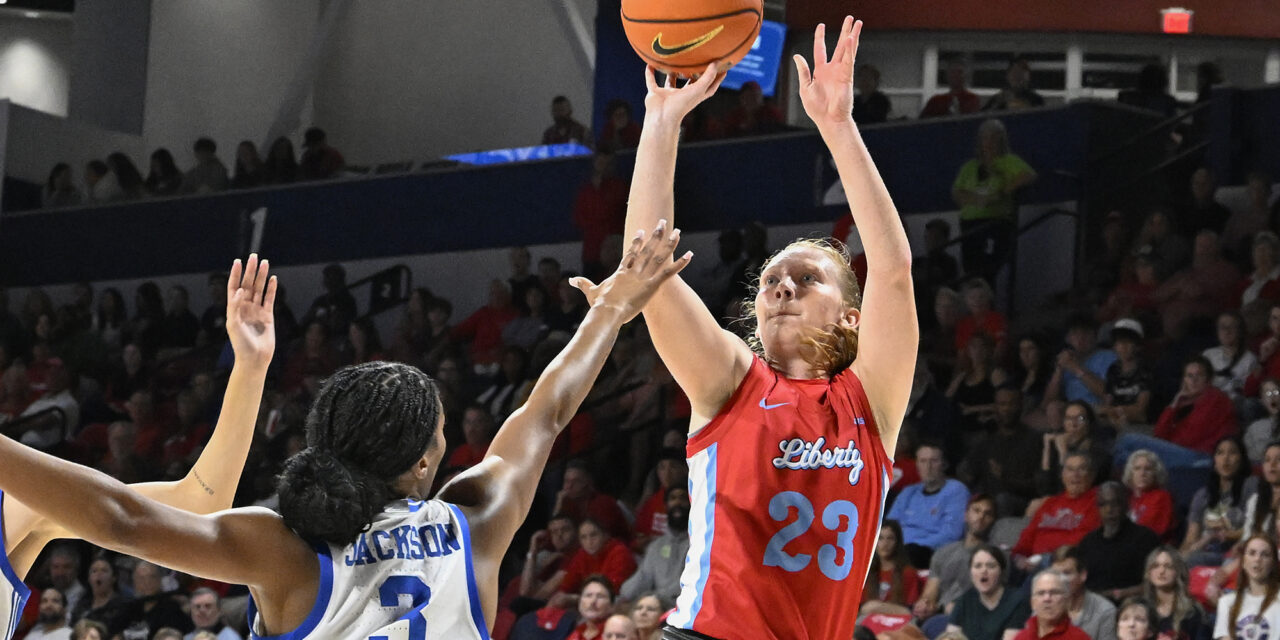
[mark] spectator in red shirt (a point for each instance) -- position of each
(599, 211)
(1049, 599)
(981, 317)
(958, 100)
(549, 552)
(1200, 414)
(483, 328)
(478, 428)
(893, 585)
(597, 554)
(319, 160)
(310, 362)
(620, 130)
(1063, 519)
(1268, 349)
(651, 516)
(1150, 504)
(188, 434)
(579, 500)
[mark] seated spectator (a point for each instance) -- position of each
(64, 575)
(362, 343)
(180, 327)
(981, 317)
(1080, 374)
(930, 415)
(164, 178)
(1128, 383)
(1031, 372)
(109, 319)
(870, 105)
(1050, 595)
(1202, 210)
(311, 361)
(893, 585)
(1136, 620)
(985, 189)
(60, 189)
(1114, 553)
(319, 161)
(1260, 288)
(104, 603)
(579, 500)
(1134, 296)
(646, 613)
(987, 610)
(664, 558)
(100, 184)
(413, 332)
(478, 427)
(206, 615)
(336, 307)
(528, 329)
(281, 166)
(1260, 508)
(713, 281)
(1080, 434)
(249, 170)
(1215, 521)
(621, 132)
(565, 129)
(209, 174)
(1195, 421)
(90, 630)
(619, 627)
(483, 328)
(1003, 464)
(1150, 504)
(186, 435)
(1017, 92)
(958, 100)
(584, 621)
(1231, 359)
(1151, 92)
(949, 568)
(651, 520)
(1253, 219)
(507, 389)
(1265, 430)
(1252, 611)
(598, 211)
(937, 347)
(151, 608)
(973, 387)
(931, 512)
(127, 175)
(1159, 240)
(1197, 292)
(597, 554)
(1092, 613)
(1166, 586)
(1268, 349)
(753, 116)
(60, 394)
(1063, 519)
(52, 622)
(936, 268)
(549, 551)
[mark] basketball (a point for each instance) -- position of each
(682, 37)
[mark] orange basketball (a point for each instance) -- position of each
(682, 37)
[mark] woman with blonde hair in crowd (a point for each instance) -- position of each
(647, 614)
(1165, 584)
(1150, 504)
(1252, 611)
(89, 630)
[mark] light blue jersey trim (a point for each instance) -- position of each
(20, 590)
(323, 596)
(685, 616)
(473, 592)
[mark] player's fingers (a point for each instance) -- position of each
(678, 265)
(269, 299)
(260, 283)
(629, 260)
(708, 77)
(670, 80)
(250, 270)
(820, 45)
(233, 280)
(855, 38)
(650, 80)
(719, 81)
(802, 70)
(847, 27)
(838, 55)
(581, 284)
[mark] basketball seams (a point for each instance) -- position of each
(731, 14)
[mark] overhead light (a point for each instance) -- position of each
(32, 14)
(4, 1)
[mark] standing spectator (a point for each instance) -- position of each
(564, 128)
(483, 329)
(336, 307)
(753, 115)
(663, 560)
(1114, 553)
(1050, 595)
(1017, 92)
(281, 166)
(1202, 210)
(598, 212)
(870, 105)
(1252, 610)
(1003, 464)
(931, 512)
(1215, 521)
(958, 99)
(949, 573)
(935, 269)
(60, 189)
(1151, 92)
(1265, 430)
(127, 175)
(621, 132)
(1128, 383)
(206, 615)
(179, 327)
(893, 585)
(1089, 611)
(1166, 587)
(250, 172)
(164, 178)
(1080, 374)
(52, 623)
(989, 611)
(319, 160)
(1150, 504)
(209, 174)
(1063, 519)
(985, 189)
(1231, 360)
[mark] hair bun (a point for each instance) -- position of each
(323, 498)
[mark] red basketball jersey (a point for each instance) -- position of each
(787, 486)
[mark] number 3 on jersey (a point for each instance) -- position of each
(775, 554)
(414, 587)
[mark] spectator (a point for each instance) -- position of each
(1166, 583)
(1202, 211)
(549, 552)
(478, 427)
(619, 627)
(179, 327)
(1128, 383)
(753, 115)
(336, 307)
(651, 520)
(319, 161)
(989, 611)
(45, 434)
(1159, 241)
(1268, 353)
(597, 554)
(598, 212)
(414, 331)
(1260, 289)
(1003, 464)
(483, 328)
(281, 166)
(1150, 504)
(1197, 418)
(1215, 521)
(1114, 552)
(104, 604)
(507, 389)
(362, 343)
(958, 99)
(100, 184)
(647, 614)
(1017, 93)
(250, 172)
(311, 361)
(1063, 519)
(213, 321)
(930, 415)
(169, 633)
(1260, 508)
(1151, 92)
(1080, 374)
(110, 318)
(931, 512)
(664, 558)
(1049, 600)
(90, 630)
(152, 609)
(938, 346)
(52, 623)
(870, 105)
(1252, 219)
(1092, 613)
(527, 330)
(64, 575)
(164, 178)
(127, 175)
(1032, 370)
(206, 615)
(1136, 621)
(973, 387)
(949, 568)
(1231, 360)
(1252, 610)
(1265, 430)
(981, 316)
(60, 189)
(209, 174)
(1134, 295)
(935, 269)
(893, 585)
(579, 500)
(986, 189)
(1079, 435)
(565, 129)
(621, 132)
(549, 277)
(555, 623)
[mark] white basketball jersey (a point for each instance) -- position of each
(13, 593)
(409, 577)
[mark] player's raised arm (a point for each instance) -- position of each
(888, 336)
(211, 483)
(707, 362)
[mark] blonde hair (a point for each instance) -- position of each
(830, 349)
(1162, 474)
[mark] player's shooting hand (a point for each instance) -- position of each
(251, 297)
(647, 264)
(827, 90)
(670, 103)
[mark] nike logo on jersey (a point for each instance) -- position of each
(664, 51)
(766, 406)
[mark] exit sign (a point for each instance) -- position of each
(1176, 20)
